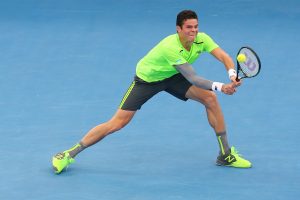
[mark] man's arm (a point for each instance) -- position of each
(222, 56)
(189, 73)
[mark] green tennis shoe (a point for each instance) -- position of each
(61, 161)
(233, 159)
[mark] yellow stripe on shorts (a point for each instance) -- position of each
(127, 94)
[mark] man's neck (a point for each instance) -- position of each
(186, 44)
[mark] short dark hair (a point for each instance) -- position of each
(184, 15)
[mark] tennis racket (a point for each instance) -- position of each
(251, 67)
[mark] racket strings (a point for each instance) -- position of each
(249, 72)
(251, 66)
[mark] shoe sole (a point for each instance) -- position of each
(222, 165)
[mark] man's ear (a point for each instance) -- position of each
(178, 29)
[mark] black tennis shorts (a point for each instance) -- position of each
(141, 91)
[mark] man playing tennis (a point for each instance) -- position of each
(167, 67)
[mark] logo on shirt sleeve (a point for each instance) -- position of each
(178, 61)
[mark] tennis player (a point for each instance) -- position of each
(168, 67)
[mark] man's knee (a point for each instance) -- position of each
(210, 99)
(206, 97)
(120, 120)
(118, 124)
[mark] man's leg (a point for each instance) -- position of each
(118, 121)
(137, 94)
(227, 156)
(213, 109)
(214, 114)
(121, 118)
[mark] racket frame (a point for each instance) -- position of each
(239, 69)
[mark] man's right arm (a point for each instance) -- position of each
(189, 73)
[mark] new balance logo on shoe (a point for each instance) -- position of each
(230, 158)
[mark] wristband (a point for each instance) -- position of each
(231, 72)
(217, 86)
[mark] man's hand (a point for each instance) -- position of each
(229, 88)
(236, 83)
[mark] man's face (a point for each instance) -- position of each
(189, 30)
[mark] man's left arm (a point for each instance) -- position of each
(222, 56)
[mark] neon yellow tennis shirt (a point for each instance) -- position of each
(159, 63)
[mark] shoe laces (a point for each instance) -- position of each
(63, 155)
(235, 152)
(59, 156)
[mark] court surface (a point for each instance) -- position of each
(66, 64)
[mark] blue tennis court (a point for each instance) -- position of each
(65, 66)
